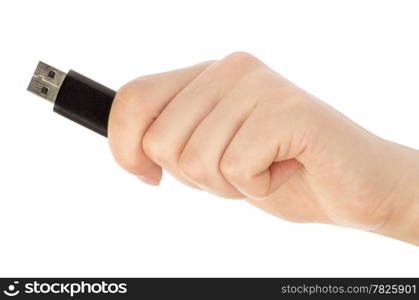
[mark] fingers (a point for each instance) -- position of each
(167, 136)
(213, 126)
(263, 154)
(201, 156)
(135, 107)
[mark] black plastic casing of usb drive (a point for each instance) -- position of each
(85, 102)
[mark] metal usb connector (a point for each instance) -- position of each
(46, 81)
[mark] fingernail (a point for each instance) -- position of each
(152, 180)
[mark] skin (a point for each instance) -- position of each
(237, 129)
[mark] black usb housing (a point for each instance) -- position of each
(74, 96)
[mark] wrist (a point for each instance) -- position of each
(403, 219)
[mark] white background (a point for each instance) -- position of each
(67, 209)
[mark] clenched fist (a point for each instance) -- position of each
(237, 129)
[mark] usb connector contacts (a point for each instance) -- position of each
(46, 81)
(74, 96)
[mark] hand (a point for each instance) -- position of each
(237, 129)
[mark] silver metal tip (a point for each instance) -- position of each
(46, 81)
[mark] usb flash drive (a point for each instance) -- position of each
(74, 96)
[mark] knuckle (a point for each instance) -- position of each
(155, 147)
(191, 167)
(232, 169)
(241, 59)
(135, 91)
